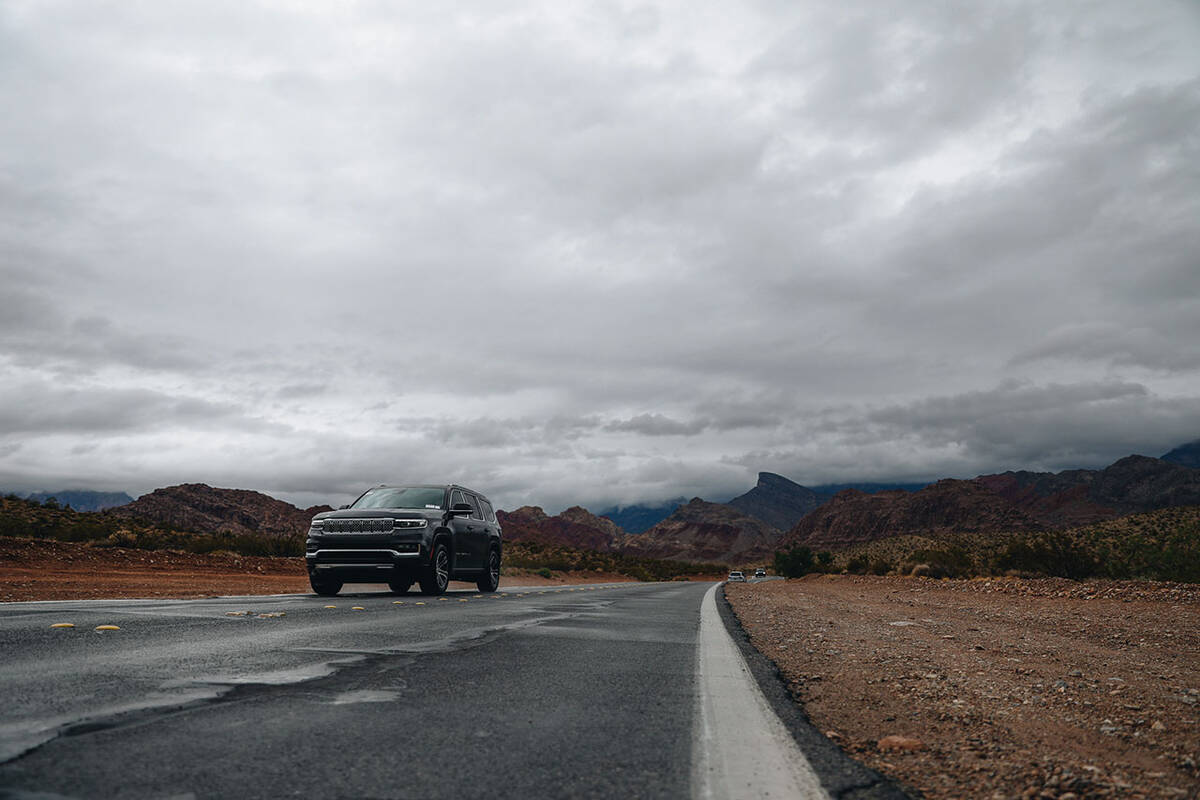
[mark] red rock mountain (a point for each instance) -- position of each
(200, 508)
(1083, 496)
(575, 527)
(702, 531)
(1008, 502)
(948, 506)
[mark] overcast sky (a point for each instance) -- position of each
(593, 252)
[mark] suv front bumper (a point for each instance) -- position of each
(364, 561)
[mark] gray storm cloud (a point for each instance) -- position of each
(597, 253)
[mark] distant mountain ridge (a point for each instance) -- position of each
(83, 499)
(777, 501)
(1186, 455)
(703, 531)
(1004, 503)
(640, 517)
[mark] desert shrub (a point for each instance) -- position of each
(1169, 552)
(794, 562)
(122, 538)
(858, 565)
(950, 562)
(1054, 554)
(545, 572)
(880, 567)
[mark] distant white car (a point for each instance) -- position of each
(760, 573)
(737, 575)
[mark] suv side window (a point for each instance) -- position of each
(456, 497)
(474, 501)
(487, 510)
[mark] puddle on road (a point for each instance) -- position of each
(365, 696)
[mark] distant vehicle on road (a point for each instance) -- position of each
(760, 573)
(737, 575)
(402, 535)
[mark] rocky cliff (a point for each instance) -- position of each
(200, 508)
(575, 527)
(948, 506)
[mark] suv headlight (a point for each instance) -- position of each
(317, 525)
(407, 524)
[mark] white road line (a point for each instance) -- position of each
(740, 749)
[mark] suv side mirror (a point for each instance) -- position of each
(461, 508)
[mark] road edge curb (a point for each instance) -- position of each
(842, 776)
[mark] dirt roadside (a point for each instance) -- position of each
(35, 569)
(996, 688)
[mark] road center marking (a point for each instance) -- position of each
(739, 746)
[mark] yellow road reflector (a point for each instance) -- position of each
(463, 600)
(420, 603)
(63, 625)
(331, 606)
(236, 613)
(357, 608)
(107, 628)
(397, 602)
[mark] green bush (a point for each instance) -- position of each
(951, 562)
(794, 562)
(1054, 554)
(545, 572)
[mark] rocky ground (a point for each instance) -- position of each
(33, 569)
(998, 688)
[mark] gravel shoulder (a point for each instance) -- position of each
(994, 688)
(37, 569)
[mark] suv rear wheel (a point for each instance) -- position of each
(491, 576)
(436, 576)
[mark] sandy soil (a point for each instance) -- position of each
(32, 569)
(996, 689)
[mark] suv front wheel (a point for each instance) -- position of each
(326, 587)
(436, 576)
(490, 580)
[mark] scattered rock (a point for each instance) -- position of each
(903, 743)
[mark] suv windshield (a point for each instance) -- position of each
(401, 497)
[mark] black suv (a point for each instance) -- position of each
(402, 534)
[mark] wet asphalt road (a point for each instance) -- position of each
(532, 693)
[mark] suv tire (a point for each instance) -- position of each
(490, 580)
(436, 577)
(324, 586)
(400, 585)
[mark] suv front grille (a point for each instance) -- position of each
(357, 526)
